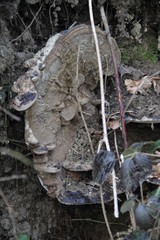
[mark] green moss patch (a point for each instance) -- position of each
(145, 51)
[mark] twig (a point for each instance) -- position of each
(104, 213)
(95, 221)
(72, 25)
(132, 216)
(13, 177)
(116, 147)
(50, 18)
(155, 223)
(86, 128)
(80, 109)
(11, 212)
(155, 74)
(17, 38)
(105, 136)
(141, 191)
(10, 114)
(122, 113)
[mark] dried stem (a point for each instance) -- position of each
(13, 177)
(104, 213)
(86, 128)
(80, 108)
(141, 191)
(122, 113)
(105, 136)
(13, 40)
(10, 114)
(50, 18)
(154, 226)
(116, 147)
(132, 216)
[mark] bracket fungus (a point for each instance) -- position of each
(51, 114)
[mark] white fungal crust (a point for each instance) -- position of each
(51, 76)
(29, 137)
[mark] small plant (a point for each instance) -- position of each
(135, 169)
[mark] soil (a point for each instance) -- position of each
(34, 212)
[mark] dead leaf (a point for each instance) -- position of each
(134, 86)
(157, 170)
(113, 124)
(157, 153)
(156, 84)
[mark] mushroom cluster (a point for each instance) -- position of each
(50, 93)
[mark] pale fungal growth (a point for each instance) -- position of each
(47, 167)
(25, 100)
(29, 137)
(41, 150)
(24, 86)
(51, 147)
(52, 118)
(34, 76)
(27, 94)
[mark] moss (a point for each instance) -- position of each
(145, 51)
